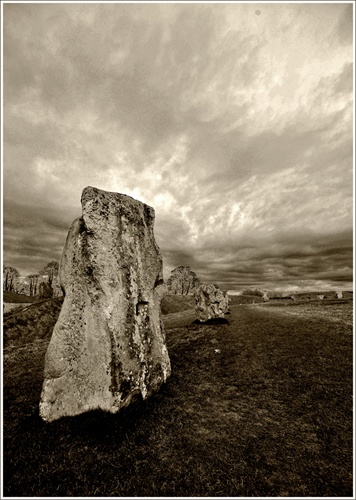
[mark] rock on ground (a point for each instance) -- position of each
(210, 302)
(108, 344)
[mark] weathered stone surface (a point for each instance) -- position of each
(339, 294)
(210, 302)
(108, 343)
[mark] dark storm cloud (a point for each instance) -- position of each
(234, 127)
(34, 236)
(288, 264)
(344, 28)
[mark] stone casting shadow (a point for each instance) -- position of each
(212, 321)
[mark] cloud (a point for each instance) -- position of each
(34, 237)
(344, 28)
(234, 127)
(283, 263)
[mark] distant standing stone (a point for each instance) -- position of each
(108, 344)
(339, 294)
(210, 302)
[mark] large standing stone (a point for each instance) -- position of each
(108, 343)
(339, 294)
(210, 302)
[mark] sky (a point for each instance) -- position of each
(232, 120)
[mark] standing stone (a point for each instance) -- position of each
(320, 297)
(210, 302)
(108, 344)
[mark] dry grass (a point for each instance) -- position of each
(19, 298)
(335, 310)
(31, 323)
(259, 407)
(177, 303)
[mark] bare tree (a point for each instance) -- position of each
(182, 281)
(10, 276)
(45, 290)
(33, 279)
(51, 270)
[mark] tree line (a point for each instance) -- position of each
(44, 283)
(182, 281)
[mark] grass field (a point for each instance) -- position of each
(19, 298)
(261, 406)
(31, 323)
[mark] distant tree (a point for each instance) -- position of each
(50, 275)
(33, 283)
(257, 292)
(10, 276)
(45, 290)
(51, 270)
(182, 281)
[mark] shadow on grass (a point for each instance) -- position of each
(212, 321)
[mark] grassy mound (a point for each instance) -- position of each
(258, 407)
(307, 296)
(31, 323)
(177, 303)
(19, 298)
(245, 299)
(37, 321)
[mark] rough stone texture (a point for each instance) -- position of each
(210, 302)
(339, 294)
(108, 344)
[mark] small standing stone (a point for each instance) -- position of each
(210, 302)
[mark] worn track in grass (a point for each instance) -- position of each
(259, 407)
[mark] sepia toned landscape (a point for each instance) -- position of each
(261, 406)
(178, 261)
